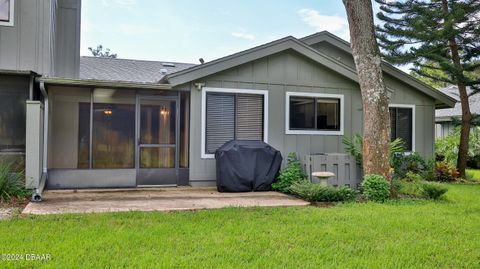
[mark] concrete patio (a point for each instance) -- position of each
(149, 199)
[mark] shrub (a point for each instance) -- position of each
(317, 193)
(433, 190)
(447, 147)
(355, 147)
(11, 183)
(412, 177)
(292, 173)
(413, 189)
(445, 172)
(376, 188)
(403, 163)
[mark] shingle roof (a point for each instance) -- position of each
(127, 70)
(446, 114)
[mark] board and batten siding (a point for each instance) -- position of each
(45, 38)
(291, 72)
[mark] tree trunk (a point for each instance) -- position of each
(376, 116)
(462, 89)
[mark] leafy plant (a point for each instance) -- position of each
(447, 147)
(412, 177)
(317, 193)
(11, 183)
(433, 190)
(355, 147)
(376, 188)
(445, 172)
(292, 173)
(404, 163)
(412, 189)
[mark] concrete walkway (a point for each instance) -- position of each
(158, 199)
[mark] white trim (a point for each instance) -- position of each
(11, 14)
(413, 120)
(314, 132)
(204, 155)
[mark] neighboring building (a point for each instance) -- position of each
(443, 117)
(128, 123)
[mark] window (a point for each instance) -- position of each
(6, 12)
(232, 114)
(402, 124)
(314, 113)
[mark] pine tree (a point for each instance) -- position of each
(436, 35)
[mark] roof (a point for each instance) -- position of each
(127, 70)
(448, 113)
(286, 43)
(443, 100)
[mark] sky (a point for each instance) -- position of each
(186, 30)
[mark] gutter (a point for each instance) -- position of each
(103, 83)
(37, 192)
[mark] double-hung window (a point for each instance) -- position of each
(402, 124)
(314, 113)
(229, 114)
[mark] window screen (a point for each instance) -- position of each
(401, 124)
(232, 116)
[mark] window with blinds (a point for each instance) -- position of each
(401, 124)
(232, 116)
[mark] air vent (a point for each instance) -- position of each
(163, 71)
(168, 64)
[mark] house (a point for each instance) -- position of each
(96, 122)
(444, 117)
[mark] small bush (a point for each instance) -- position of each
(445, 172)
(376, 188)
(404, 163)
(292, 173)
(433, 190)
(412, 177)
(317, 193)
(412, 189)
(11, 183)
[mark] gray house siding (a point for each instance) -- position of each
(28, 44)
(289, 71)
(45, 33)
(443, 129)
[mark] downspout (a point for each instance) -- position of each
(37, 193)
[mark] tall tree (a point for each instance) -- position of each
(102, 53)
(436, 35)
(376, 124)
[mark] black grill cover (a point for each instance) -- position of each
(245, 165)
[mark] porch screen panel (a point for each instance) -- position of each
(220, 120)
(113, 134)
(249, 124)
(69, 127)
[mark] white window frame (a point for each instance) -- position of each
(206, 90)
(12, 15)
(413, 120)
(313, 132)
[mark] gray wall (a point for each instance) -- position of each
(289, 71)
(46, 33)
(67, 36)
(443, 128)
(27, 45)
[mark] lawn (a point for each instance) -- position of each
(398, 234)
(473, 174)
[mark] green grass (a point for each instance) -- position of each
(397, 234)
(473, 174)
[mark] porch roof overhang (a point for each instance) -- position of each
(103, 83)
(17, 72)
